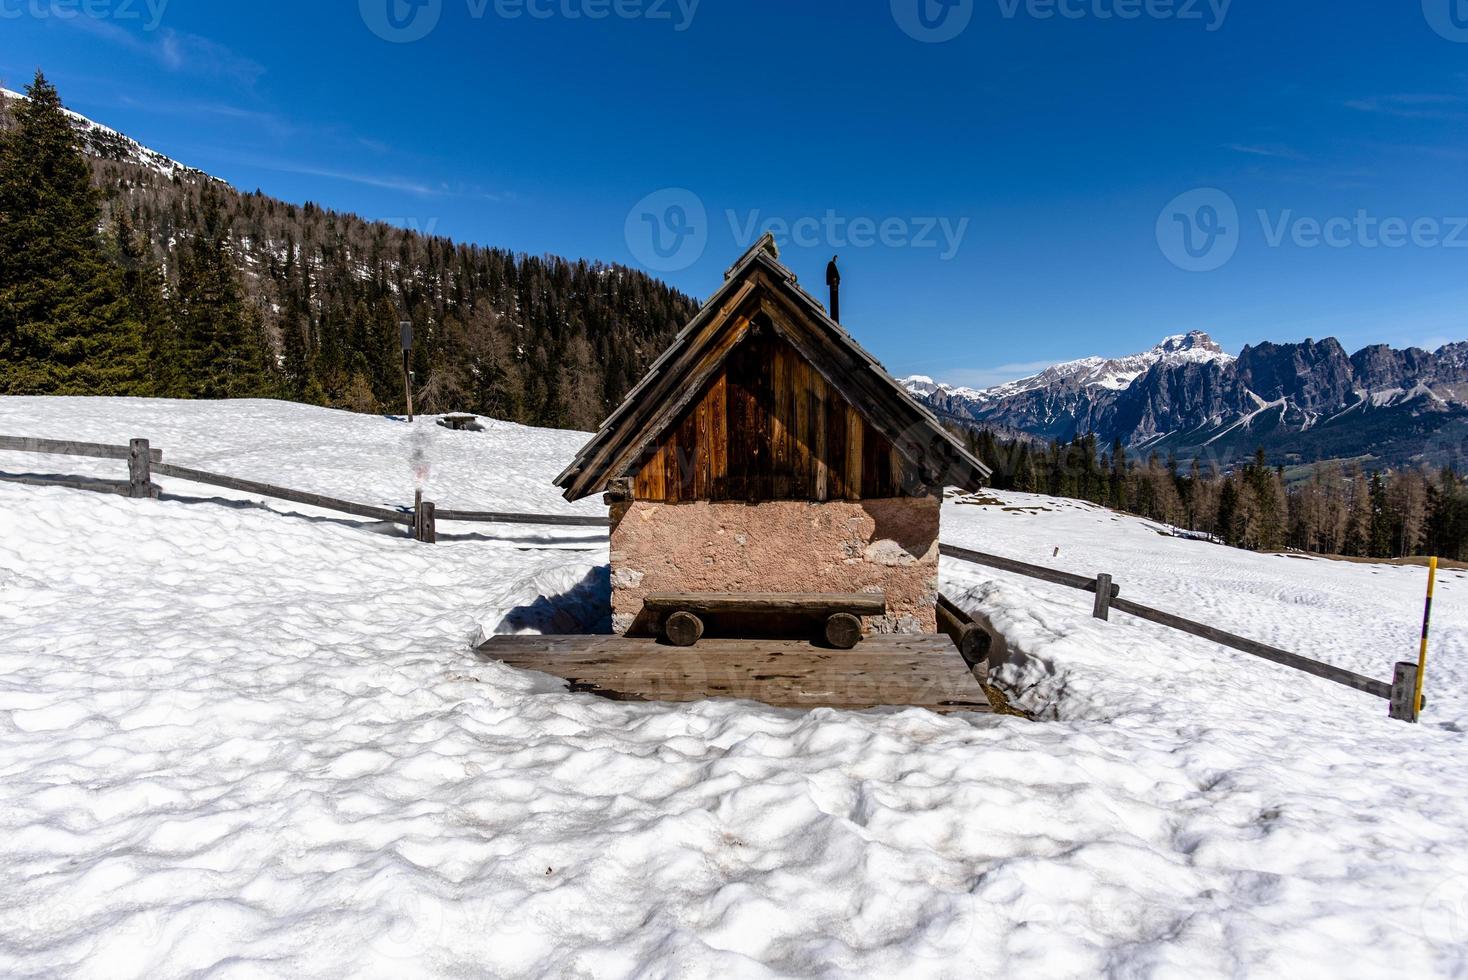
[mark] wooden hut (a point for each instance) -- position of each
(769, 465)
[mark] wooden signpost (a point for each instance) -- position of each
(407, 327)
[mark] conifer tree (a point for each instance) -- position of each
(64, 323)
(223, 344)
(143, 288)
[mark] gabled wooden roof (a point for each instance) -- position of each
(759, 288)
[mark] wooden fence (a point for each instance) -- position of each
(144, 462)
(1401, 692)
(422, 518)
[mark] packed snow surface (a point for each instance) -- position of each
(240, 738)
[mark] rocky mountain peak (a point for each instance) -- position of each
(1193, 340)
(1308, 400)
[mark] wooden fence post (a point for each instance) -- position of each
(139, 469)
(1404, 693)
(1103, 598)
(425, 523)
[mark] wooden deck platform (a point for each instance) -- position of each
(921, 671)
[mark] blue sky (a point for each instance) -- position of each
(1052, 181)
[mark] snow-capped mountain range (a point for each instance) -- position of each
(1113, 373)
(1302, 402)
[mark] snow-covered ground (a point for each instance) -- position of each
(241, 738)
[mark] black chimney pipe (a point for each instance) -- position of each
(833, 279)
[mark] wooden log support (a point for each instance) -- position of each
(683, 629)
(1404, 694)
(425, 523)
(972, 640)
(140, 470)
(843, 631)
(1102, 610)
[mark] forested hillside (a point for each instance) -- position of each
(124, 273)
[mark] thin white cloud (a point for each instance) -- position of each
(1420, 105)
(382, 181)
(1277, 152)
(176, 51)
(388, 182)
(265, 120)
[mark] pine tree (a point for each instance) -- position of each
(1118, 484)
(223, 343)
(142, 284)
(64, 323)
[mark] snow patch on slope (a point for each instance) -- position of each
(108, 144)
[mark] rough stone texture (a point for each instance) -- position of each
(780, 546)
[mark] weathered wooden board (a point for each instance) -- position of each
(283, 493)
(921, 671)
(62, 447)
(768, 426)
(62, 482)
(815, 604)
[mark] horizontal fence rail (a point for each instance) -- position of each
(546, 520)
(95, 485)
(61, 447)
(1022, 568)
(283, 493)
(1103, 588)
(1339, 675)
(144, 462)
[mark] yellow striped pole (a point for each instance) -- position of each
(1426, 623)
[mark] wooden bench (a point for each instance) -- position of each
(683, 613)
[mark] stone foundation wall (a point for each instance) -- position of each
(780, 546)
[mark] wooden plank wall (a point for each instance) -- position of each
(769, 427)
